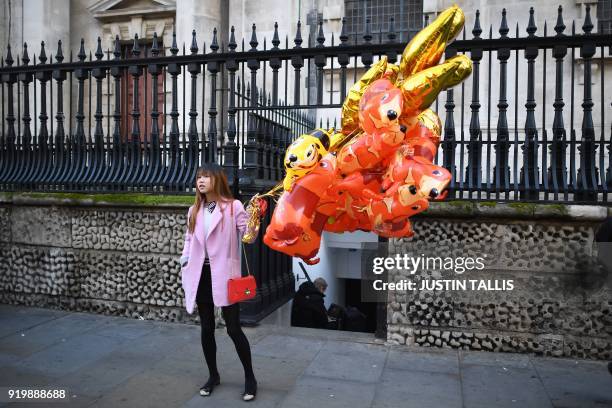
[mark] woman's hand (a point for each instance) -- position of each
(184, 261)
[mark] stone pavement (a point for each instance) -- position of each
(113, 362)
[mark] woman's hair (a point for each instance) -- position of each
(220, 188)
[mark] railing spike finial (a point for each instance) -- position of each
(426, 20)
(42, 57)
(560, 26)
(587, 27)
(298, 35)
(99, 53)
(367, 36)
(59, 55)
(275, 39)
(117, 50)
(391, 36)
(320, 35)
(516, 31)
(9, 58)
(174, 48)
(503, 28)
(82, 55)
(253, 41)
(214, 45)
(25, 59)
(155, 45)
(531, 26)
(476, 31)
(232, 42)
(343, 36)
(194, 44)
(136, 46)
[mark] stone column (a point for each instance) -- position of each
(202, 16)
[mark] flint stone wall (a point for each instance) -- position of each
(561, 304)
(83, 255)
(122, 259)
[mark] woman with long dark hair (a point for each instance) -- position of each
(213, 221)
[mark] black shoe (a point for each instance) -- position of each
(207, 388)
(250, 390)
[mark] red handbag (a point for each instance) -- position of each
(243, 288)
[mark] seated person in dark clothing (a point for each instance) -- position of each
(308, 309)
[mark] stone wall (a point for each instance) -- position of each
(121, 258)
(115, 258)
(561, 304)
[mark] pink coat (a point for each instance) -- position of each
(218, 247)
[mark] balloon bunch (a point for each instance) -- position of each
(378, 171)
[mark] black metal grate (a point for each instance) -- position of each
(407, 17)
(604, 16)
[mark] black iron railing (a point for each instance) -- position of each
(241, 104)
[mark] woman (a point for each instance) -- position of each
(211, 221)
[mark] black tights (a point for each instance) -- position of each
(231, 315)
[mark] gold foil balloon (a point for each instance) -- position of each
(427, 47)
(392, 73)
(421, 89)
(350, 107)
(431, 121)
(255, 211)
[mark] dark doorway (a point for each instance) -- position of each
(145, 94)
(352, 294)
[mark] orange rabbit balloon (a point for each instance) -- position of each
(379, 111)
(296, 226)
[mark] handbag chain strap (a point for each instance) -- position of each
(246, 260)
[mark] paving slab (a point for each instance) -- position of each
(230, 396)
(311, 392)
(15, 318)
(348, 361)
(576, 383)
(66, 356)
(486, 386)
(27, 340)
(495, 359)
(164, 384)
(404, 388)
(282, 346)
(433, 361)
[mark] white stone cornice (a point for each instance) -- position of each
(107, 10)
